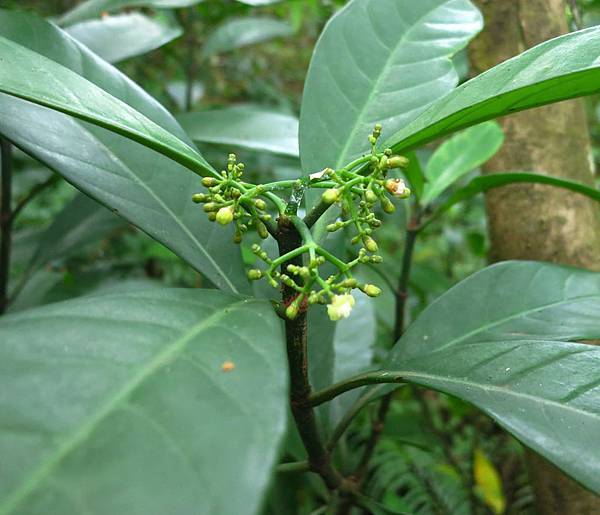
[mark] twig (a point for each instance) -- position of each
(319, 458)
(5, 220)
(576, 12)
(31, 194)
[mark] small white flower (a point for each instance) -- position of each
(340, 307)
(397, 187)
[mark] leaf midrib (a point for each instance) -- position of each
(80, 436)
(398, 375)
(353, 133)
(511, 317)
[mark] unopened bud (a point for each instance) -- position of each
(260, 204)
(225, 215)
(383, 162)
(387, 206)
(371, 290)
(262, 230)
(199, 197)
(370, 244)
(370, 196)
(292, 311)
(209, 182)
(331, 195)
(397, 162)
(237, 237)
(212, 216)
(254, 274)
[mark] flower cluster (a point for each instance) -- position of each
(230, 200)
(356, 188)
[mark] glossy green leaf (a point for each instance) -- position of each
(94, 8)
(501, 340)
(378, 61)
(259, 2)
(116, 38)
(80, 223)
(559, 69)
(415, 174)
(241, 32)
(153, 402)
(251, 127)
(147, 189)
(487, 182)
(33, 77)
(460, 155)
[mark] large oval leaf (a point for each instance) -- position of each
(241, 32)
(116, 38)
(252, 127)
(460, 155)
(501, 340)
(149, 190)
(154, 402)
(33, 77)
(562, 68)
(94, 8)
(378, 61)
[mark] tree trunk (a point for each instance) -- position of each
(536, 221)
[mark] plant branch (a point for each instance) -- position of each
(6, 218)
(33, 193)
(364, 379)
(319, 459)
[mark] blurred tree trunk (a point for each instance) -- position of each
(536, 221)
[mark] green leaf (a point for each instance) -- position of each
(501, 340)
(241, 32)
(94, 8)
(251, 127)
(33, 77)
(559, 69)
(154, 402)
(487, 182)
(378, 61)
(80, 223)
(259, 2)
(149, 190)
(116, 38)
(415, 175)
(460, 155)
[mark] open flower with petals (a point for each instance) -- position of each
(397, 187)
(340, 307)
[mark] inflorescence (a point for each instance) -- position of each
(356, 188)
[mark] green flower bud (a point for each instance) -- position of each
(376, 259)
(262, 230)
(370, 244)
(199, 197)
(254, 274)
(387, 206)
(383, 162)
(260, 204)
(209, 182)
(237, 237)
(397, 162)
(225, 215)
(372, 139)
(211, 206)
(349, 283)
(371, 196)
(212, 216)
(371, 290)
(332, 227)
(292, 311)
(331, 195)
(388, 152)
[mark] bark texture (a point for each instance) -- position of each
(536, 221)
